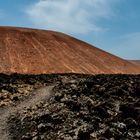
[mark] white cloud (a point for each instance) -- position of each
(70, 16)
(128, 46)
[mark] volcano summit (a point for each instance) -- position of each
(31, 51)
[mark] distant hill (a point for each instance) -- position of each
(24, 50)
(137, 62)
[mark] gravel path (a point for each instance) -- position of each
(36, 96)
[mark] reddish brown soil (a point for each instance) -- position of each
(39, 51)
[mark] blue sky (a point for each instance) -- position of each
(112, 25)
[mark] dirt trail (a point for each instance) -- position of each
(36, 96)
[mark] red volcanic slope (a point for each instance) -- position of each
(38, 51)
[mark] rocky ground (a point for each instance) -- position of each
(79, 107)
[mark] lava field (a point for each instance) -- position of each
(81, 107)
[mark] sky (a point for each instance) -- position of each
(111, 25)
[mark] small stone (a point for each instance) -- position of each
(41, 127)
(138, 134)
(34, 107)
(34, 134)
(101, 89)
(15, 98)
(26, 137)
(131, 123)
(42, 137)
(93, 136)
(119, 125)
(35, 138)
(58, 96)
